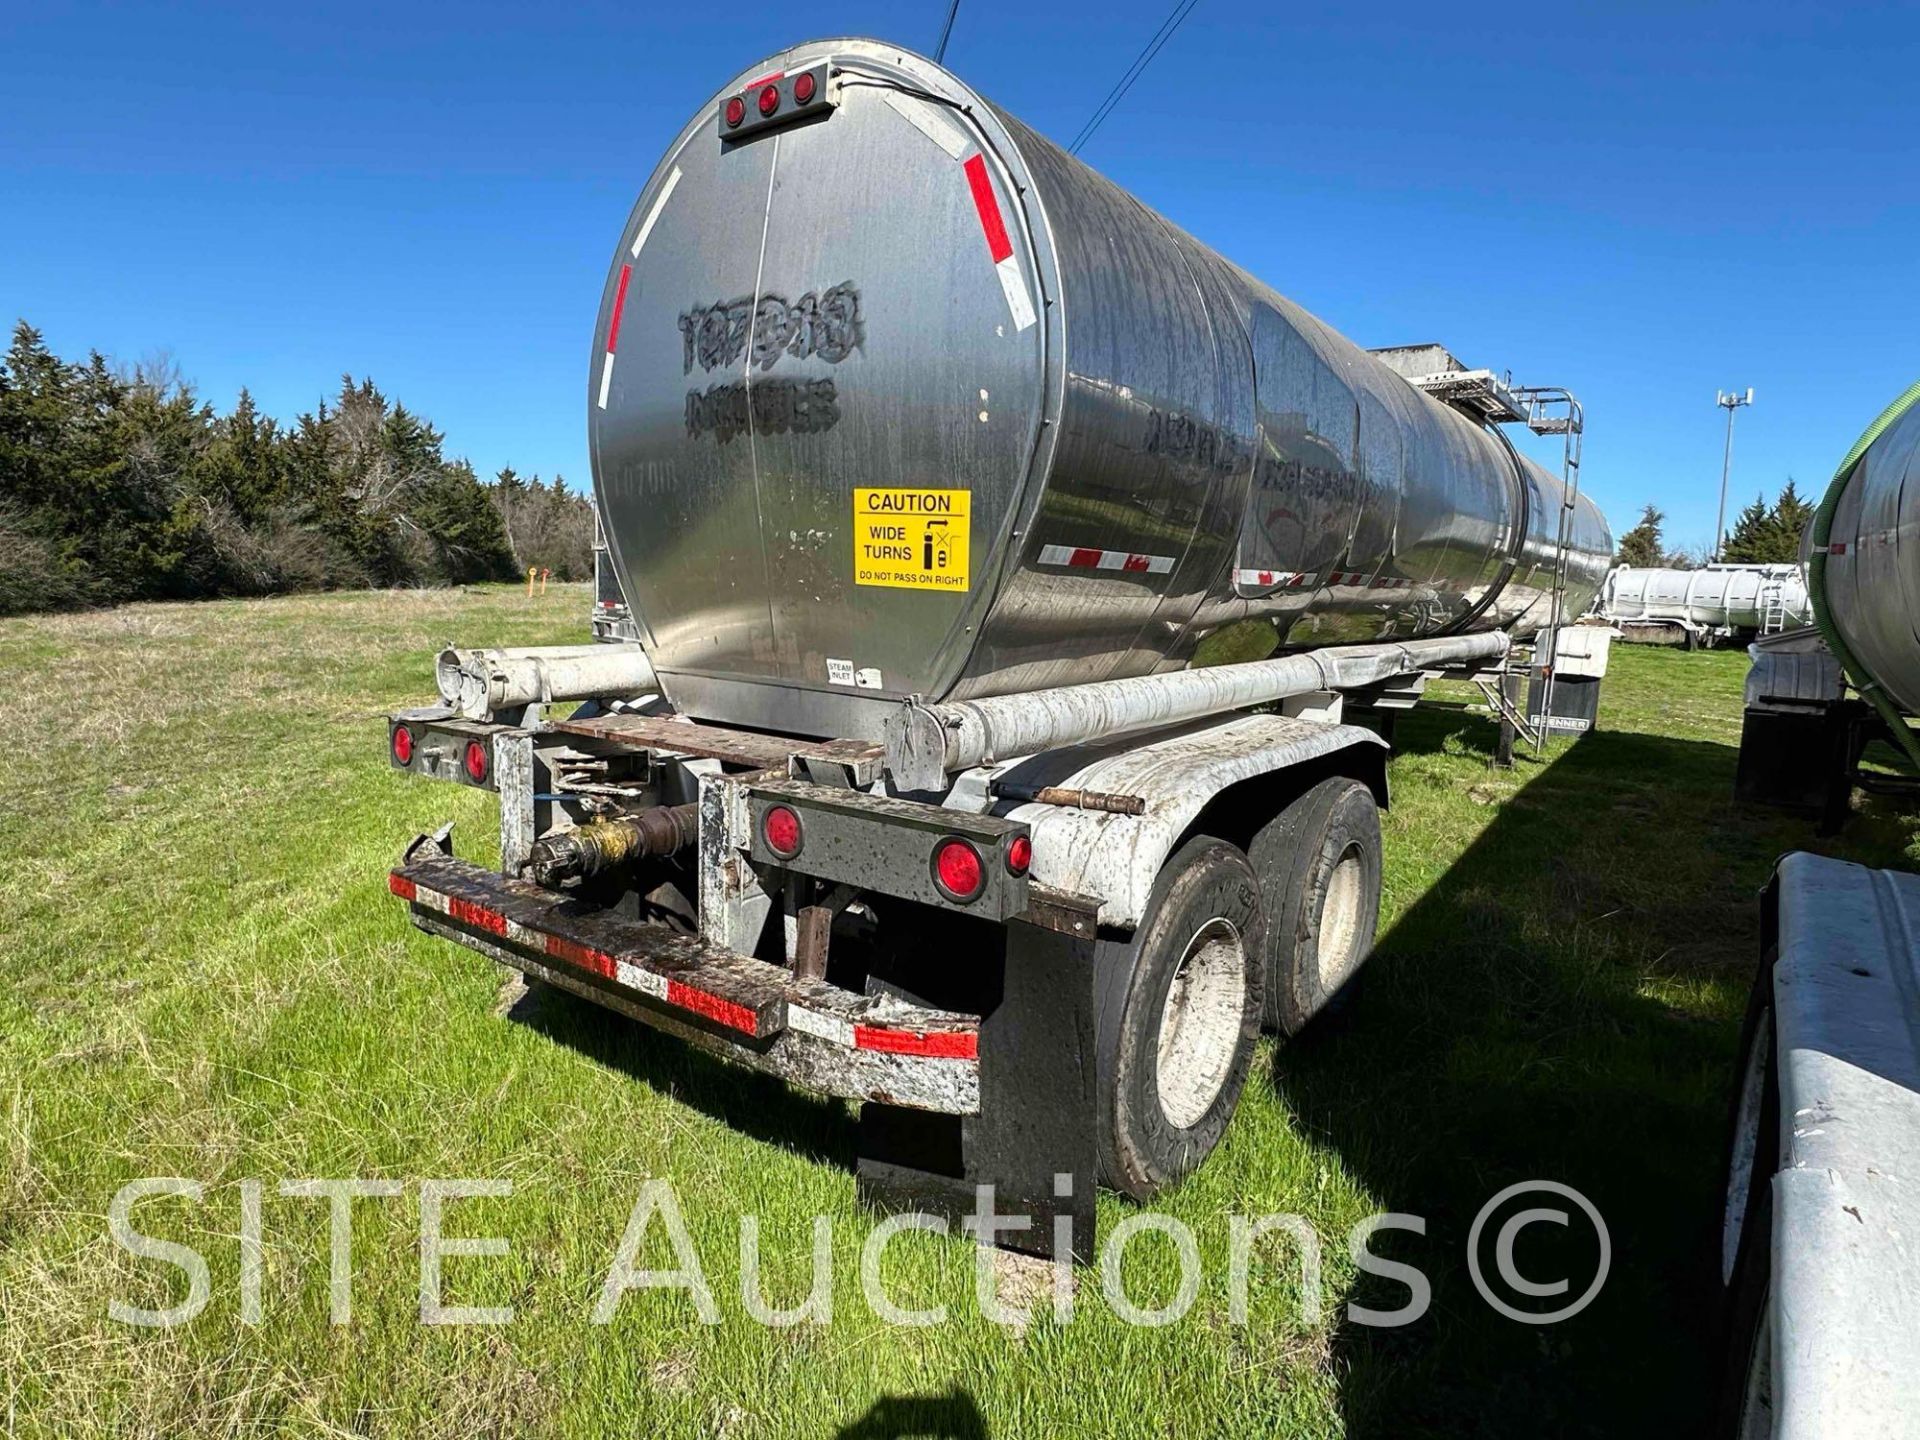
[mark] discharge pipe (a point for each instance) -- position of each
(603, 845)
(480, 683)
(926, 743)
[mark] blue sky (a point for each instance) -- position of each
(1644, 202)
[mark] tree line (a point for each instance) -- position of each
(123, 484)
(1762, 534)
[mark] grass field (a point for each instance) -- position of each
(204, 977)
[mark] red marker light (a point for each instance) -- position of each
(803, 89)
(957, 870)
(769, 99)
(780, 828)
(476, 762)
(736, 112)
(1020, 855)
(403, 744)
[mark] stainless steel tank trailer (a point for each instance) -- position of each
(1816, 696)
(991, 564)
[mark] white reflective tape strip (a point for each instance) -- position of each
(645, 981)
(429, 899)
(606, 377)
(1084, 557)
(922, 117)
(653, 214)
(1271, 579)
(526, 935)
(1018, 300)
(823, 1027)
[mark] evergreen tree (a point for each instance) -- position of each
(125, 485)
(1750, 536)
(1640, 546)
(1769, 535)
(1791, 517)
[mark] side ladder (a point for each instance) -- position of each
(1554, 410)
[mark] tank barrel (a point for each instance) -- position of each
(997, 427)
(926, 743)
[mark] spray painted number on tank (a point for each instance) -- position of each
(911, 539)
(776, 407)
(826, 324)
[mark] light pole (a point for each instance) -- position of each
(1730, 401)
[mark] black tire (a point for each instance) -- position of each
(1326, 842)
(1746, 1240)
(1753, 1131)
(1203, 930)
(1745, 1403)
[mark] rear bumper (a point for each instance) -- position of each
(860, 1047)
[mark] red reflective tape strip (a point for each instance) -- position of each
(468, 913)
(1837, 548)
(1135, 562)
(766, 80)
(401, 886)
(619, 304)
(724, 1012)
(1085, 557)
(934, 1044)
(597, 962)
(998, 246)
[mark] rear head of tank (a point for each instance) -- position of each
(870, 229)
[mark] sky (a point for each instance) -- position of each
(1646, 203)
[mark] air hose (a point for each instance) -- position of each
(1850, 665)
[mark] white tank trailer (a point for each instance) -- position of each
(1715, 602)
(1001, 563)
(1803, 734)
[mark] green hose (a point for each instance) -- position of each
(1850, 665)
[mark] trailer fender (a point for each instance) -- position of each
(1176, 774)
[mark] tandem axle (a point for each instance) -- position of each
(1036, 972)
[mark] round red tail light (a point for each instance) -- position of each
(957, 870)
(803, 89)
(780, 828)
(736, 112)
(1020, 855)
(769, 99)
(476, 762)
(403, 744)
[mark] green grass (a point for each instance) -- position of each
(203, 976)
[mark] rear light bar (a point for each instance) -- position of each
(426, 742)
(774, 100)
(925, 853)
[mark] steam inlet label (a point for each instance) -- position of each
(911, 539)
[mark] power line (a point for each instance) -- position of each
(946, 30)
(1180, 11)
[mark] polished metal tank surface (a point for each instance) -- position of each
(1872, 582)
(898, 398)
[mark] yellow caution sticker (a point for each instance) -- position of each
(911, 539)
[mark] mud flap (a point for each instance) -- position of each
(1033, 1137)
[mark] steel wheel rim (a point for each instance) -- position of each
(1338, 935)
(1200, 1023)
